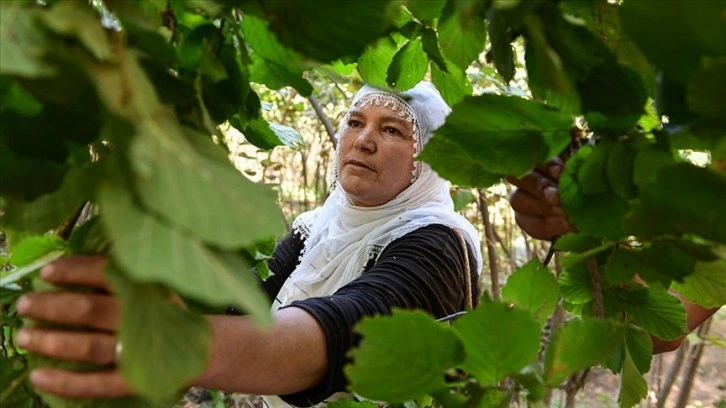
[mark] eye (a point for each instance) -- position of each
(392, 131)
(354, 123)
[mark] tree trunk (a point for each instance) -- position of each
(490, 239)
(671, 375)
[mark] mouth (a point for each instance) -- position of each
(359, 164)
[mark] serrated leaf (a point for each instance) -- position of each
(580, 344)
(633, 387)
(145, 248)
(656, 311)
(533, 288)
(408, 66)
(158, 365)
(493, 129)
(201, 194)
(462, 33)
(640, 348)
(697, 210)
(374, 62)
(586, 211)
(453, 85)
(392, 365)
(575, 285)
(706, 286)
(490, 358)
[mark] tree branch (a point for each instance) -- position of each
(329, 128)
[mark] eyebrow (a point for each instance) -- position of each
(387, 118)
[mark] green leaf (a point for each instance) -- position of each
(22, 44)
(199, 193)
(328, 31)
(431, 47)
(465, 171)
(490, 358)
(420, 361)
(501, 40)
(151, 251)
(462, 32)
(272, 63)
(18, 99)
(425, 10)
(408, 67)
(453, 85)
(706, 286)
(32, 248)
(656, 311)
(159, 365)
(575, 285)
(619, 170)
(23, 271)
(587, 211)
(706, 89)
(700, 193)
(462, 198)
(374, 62)
(348, 403)
(533, 288)
(261, 133)
(80, 20)
(633, 387)
(577, 242)
(648, 162)
(640, 348)
(493, 129)
(662, 29)
(580, 344)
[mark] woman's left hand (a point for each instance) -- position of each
(97, 315)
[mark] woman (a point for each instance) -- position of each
(386, 237)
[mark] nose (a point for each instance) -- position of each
(365, 140)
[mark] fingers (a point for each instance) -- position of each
(88, 347)
(525, 203)
(545, 228)
(94, 311)
(71, 384)
(77, 270)
(538, 185)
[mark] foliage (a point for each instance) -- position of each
(120, 103)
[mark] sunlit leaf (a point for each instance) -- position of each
(21, 42)
(706, 286)
(491, 358)
(394, 366)
(656, 311)
(533, 288)
(633, 387)
(462, 32)
(425, 9)
(408, 66)
(465, 172)
(453, 85)
(374, 62)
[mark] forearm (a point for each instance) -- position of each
(285, 358)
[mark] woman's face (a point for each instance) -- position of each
(376, 155)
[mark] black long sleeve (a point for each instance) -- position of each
(424, 269)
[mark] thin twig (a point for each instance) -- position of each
(491, 250)
(329, 128)
(694, 357)
(598, 307)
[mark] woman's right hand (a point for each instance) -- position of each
(96, 313)
(536, 201)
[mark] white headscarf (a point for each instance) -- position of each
(340, 238)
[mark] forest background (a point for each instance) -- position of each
(137, 107)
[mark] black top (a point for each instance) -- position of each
(424, 270)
